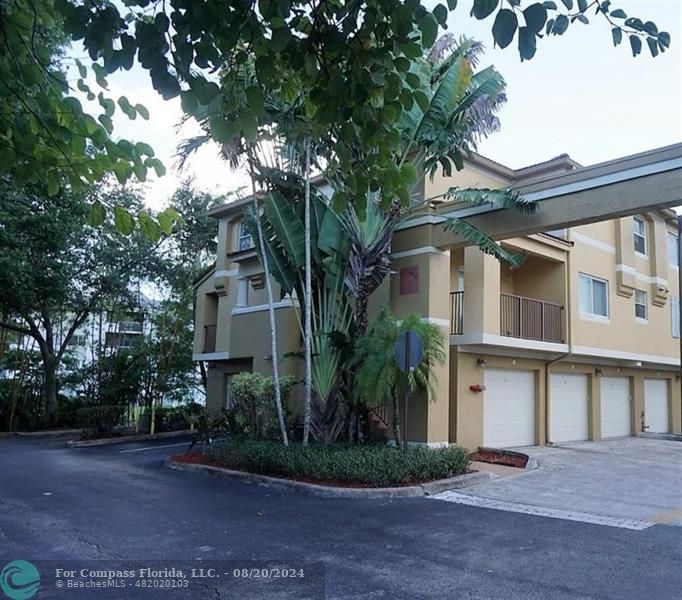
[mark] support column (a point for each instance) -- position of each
(481, 292)
(422, 285)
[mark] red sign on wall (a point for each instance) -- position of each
(409, 280)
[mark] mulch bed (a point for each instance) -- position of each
(498, 458)
(197, 458)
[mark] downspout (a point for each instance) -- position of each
(561, 357)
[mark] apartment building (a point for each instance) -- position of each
(581, 342)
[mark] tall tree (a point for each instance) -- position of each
(185, 255)
(55, 268)
(351, 58)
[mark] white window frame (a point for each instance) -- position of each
(641, 302)
(637, 234)
(244, 239)
(590, 314)
(673, 258)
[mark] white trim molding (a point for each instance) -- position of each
(242, 310)
(226, 273)
(421, 250)
(432, 320)
(507, 342)
(586, 239)
(211, 356)
(620, 355)
(640, 276)
(595, 318)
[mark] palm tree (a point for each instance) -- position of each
(257, 155)
(379, 380)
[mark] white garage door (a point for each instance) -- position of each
(509, 408)
(615, 407)
(656, 405)
(568, 407)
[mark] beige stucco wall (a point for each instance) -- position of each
(428, 415)
(622, 332)
(470, 177)
(466, 427)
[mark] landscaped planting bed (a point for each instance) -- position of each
(363, 466)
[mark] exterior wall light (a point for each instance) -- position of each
(477, 387)
(598, 372)
(480, 361)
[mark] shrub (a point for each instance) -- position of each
(100, 420)
(374, 466)
(254, 413)
(68, 410)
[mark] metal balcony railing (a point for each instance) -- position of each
(130, 326)
(209, 338)
(456, 313)
(531, 319)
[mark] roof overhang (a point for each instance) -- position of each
(626, 186)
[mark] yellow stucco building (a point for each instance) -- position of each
(580, 342)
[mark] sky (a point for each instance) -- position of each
(579, 95)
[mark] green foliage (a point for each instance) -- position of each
(374, 466)
(253, 413)
(56, 269)
(68, 410)
(546, 18)
(45, 134)
(100, 421)
(348, 68)
(208, 427)
(379, 375)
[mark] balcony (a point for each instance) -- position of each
(209, 338)
(456, 313)
(520, 317)
(129, 326)
(531, 319)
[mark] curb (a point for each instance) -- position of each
(39, 434)
(127, 438)
(328, 491)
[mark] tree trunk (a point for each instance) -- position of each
(308, 304)
(271, 313)
(361, 309)
(396, 418)
(50, 386)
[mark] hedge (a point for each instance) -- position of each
(372, 465)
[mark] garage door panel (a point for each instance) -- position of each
(616, 420)
(656, 417)
(509, 408)
(568, 405)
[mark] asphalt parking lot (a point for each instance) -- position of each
(119, 504)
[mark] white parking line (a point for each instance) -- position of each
(152, 448)
(541, 511)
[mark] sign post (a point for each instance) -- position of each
(409, 349)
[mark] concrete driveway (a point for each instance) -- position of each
(630, 482)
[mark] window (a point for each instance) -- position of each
(594, 296)
(77, 339)
(675, 316)
(673, 258)
(640, 304)
(640, 235)
(245, 241)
